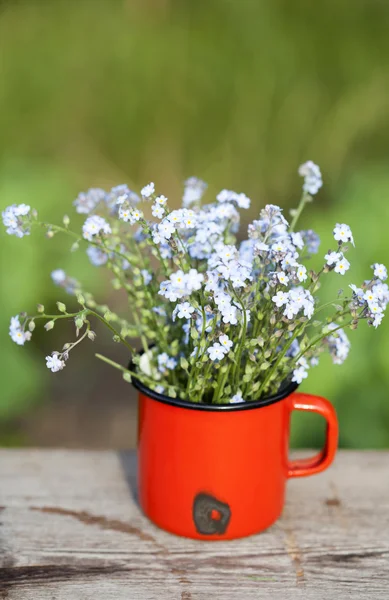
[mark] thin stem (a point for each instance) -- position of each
(141, 376)
(319, 338)
(303, 201)
(236, 371)
(281, 355)
(79, 238)
(122, 339)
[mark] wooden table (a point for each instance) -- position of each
(71, 529)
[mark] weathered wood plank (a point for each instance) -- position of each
(70, 529)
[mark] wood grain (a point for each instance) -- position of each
(70, 528)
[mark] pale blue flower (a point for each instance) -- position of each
(54, 363)
(148, 190)
(312, 177)
(96, 256)
(87, 201)
(95, 226)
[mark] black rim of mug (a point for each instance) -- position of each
(284, 392)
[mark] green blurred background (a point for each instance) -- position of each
(239, 93)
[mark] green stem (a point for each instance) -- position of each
(318, 339)
(141, 376)
(79, 238)
(236, 370)
(281, 355)
(122, 339)
(299, 210)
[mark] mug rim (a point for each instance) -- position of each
(282, 393)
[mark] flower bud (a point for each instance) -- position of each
(91, 335)
(80, 299)
(116, 338)
(79, 321)
(40, 308)
(74, 247)
(50, 234)
(49, 325)
(31, 325)
(61, 307)
(184, 363)
(127, 377)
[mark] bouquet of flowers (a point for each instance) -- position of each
(219, 321)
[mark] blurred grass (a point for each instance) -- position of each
(238, 93)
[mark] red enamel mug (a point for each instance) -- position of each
(218, 472)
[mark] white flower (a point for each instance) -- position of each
(342, 266)
(16, 332)
(291, 310)
(237, 398)
(242, 200)
(290, 260)
(129, 214)
(380, 271)
(216, 352)
(125, 213)
(87, 201)
(162, 359)
(222, 301)
(332, 258)
(375, 308)
(185, 310)
(280, 299)
(15, 221)
(312, 177)
(342, 233)
(194, 189)
(17, 336)
(309, 308)
(194, 279)
(14, 324)
(229, 196)
(282, 278)
(371, 297)
(297, 240)
(280, 246)
(171, 363)
(161, 200)
(299, 374)
(177, 279)
(382, 292)
(225, 342)
(378, 319)
(21, 209)
(146, 276)
(165, 229)
(58, 276)
(157, 211)
(301, 273)
(338, 344)
(261, 247)
(93, 226)
(358, 292)
(54, 363)
(96, 256)
(148, 190)
(229, 315)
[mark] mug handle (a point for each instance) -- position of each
(309, 466)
